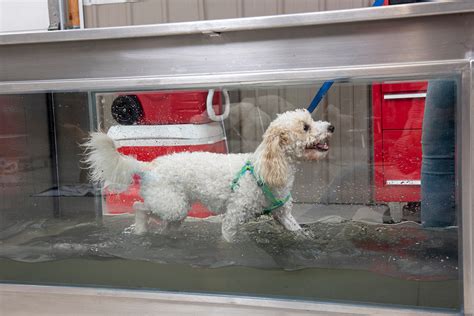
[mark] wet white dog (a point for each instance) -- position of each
(240, 186)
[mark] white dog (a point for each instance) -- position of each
(240, 186)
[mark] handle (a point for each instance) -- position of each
(210, 108)
(403, 182)
(404, 96)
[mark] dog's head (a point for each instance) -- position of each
(293, 135)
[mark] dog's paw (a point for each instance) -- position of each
(304, 234)
(139, 229)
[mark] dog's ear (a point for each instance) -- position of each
(273, 165)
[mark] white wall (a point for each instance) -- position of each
(23, 15)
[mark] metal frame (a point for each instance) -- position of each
(56, 15)
(417, 41)
(83, 301)
(466, 180)
(320, 50)
(215, 27)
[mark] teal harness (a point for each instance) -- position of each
(276, 203)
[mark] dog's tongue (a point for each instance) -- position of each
(323, 146)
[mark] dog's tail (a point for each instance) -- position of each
(108, 166)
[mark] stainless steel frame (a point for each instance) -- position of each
(300, 41)
(467, 185)
(423, 40)
(44, 300)
(55, 15)
(215, 27)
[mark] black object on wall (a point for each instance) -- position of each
(392, 2)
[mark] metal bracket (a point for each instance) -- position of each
(98, 2)
(56, 15)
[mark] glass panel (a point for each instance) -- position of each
(371, 183)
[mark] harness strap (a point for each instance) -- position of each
(276, 203)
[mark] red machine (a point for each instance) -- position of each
(172, 112)
(397, 122)
(167, 107)
(398, 110)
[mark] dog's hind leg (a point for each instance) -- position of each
(167, 204)
(141, 218)
(162, 225)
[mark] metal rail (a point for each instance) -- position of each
(215, 27)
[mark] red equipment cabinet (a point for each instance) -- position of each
(397, 125)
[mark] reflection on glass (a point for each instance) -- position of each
(377, 211)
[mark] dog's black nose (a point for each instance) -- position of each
(331, 128)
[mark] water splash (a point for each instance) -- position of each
(405, 250)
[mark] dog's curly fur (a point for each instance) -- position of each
(170, 184)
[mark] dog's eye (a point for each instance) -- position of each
(306, 127)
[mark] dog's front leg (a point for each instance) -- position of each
(235, 216)
(229, 228)
(284, 216)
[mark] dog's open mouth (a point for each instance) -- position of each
(321, 146)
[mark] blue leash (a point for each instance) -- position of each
(327, 85)
(320, 95)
